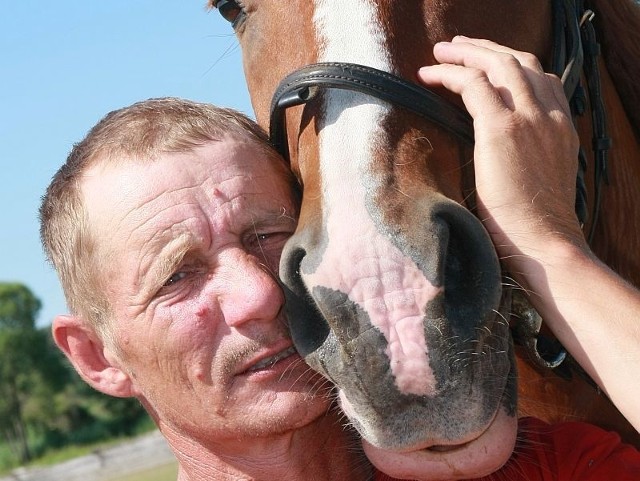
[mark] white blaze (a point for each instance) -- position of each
(359, 260)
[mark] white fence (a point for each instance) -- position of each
(142, 453)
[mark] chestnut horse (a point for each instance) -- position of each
(394, 289)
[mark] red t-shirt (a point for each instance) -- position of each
(565, 452)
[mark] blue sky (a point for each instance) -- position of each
(64, 66)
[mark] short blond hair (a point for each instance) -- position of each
(138, 132)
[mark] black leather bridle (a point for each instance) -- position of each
(304, 84)
(575, 53)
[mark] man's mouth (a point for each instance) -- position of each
(270, 361)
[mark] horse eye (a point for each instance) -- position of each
(229, 9)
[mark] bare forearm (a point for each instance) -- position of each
(593, 312)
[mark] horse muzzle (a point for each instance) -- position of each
(405, 319)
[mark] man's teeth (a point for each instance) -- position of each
(270, 361)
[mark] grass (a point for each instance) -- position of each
(168, 472)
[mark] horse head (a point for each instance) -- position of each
(394, 290)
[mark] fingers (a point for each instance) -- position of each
(517, 77)
(546, 87)
(477, 92)
(502, 69)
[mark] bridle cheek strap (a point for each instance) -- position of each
(576, 51)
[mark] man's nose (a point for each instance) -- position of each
(252, 291)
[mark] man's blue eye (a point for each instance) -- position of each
(178, 276)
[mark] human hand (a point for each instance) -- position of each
(526, 147)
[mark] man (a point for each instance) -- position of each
(170, 274)
(165, 226)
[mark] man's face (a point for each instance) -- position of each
(189, 245)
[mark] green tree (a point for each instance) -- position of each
(21, 346)
(43, 402)
(18, 306)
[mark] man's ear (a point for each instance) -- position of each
(90, 357)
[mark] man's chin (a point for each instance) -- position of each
(474, 459)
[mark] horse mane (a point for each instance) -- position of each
(617, 24)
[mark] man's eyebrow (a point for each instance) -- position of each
(168, 260)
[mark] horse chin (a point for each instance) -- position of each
(475, 458)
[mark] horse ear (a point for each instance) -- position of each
(95, 363)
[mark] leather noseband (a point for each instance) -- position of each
(302, 86)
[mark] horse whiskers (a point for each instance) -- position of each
(514, 284)
(317, 386)
(264, 264)
(397, 189)
(469, 195)
(323, 387)
(499, 315)
(284, 213)
(514, 470)
(468, 359)
(402, 164)
(293, 366)
(422, 138)
(227, 52)
(512, 256)
(464, 358)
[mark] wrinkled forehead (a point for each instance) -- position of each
(136, 190)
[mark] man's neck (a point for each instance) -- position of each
(321, 451)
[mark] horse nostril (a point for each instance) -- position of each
(472, 277)
(309, 330)
(290, 263)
